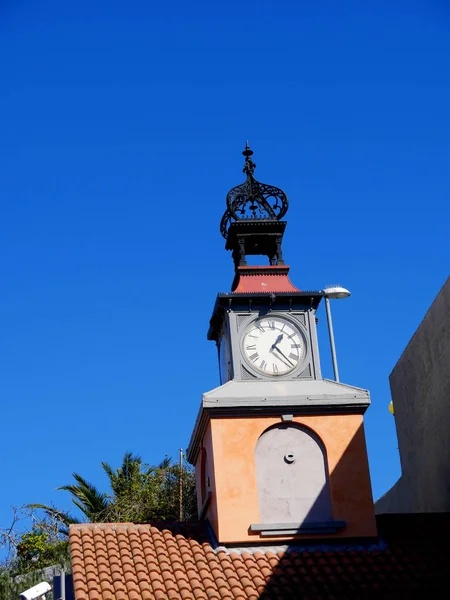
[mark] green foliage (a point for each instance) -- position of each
(38, 549)
(41, 545)
(139, 493)
(143, 494)
(87, 498)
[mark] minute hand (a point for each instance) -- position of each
(284, 356)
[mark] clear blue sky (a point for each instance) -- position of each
(122, 128)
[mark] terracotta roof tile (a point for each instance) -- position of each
(176, 561)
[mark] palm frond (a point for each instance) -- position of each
(108, 470)
(62, 516)
(90, 500)
(131, 464)
(165, 464)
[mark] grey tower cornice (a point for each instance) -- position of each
(277, 398)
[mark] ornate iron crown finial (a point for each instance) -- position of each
(252, 200)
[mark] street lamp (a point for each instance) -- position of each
(335, 291)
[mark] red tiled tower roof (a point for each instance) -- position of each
(263, 279)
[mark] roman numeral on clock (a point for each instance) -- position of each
(293, 356)
(274, 368)
(252, 347)
(254, 356)
(263, 365)
(296, 345)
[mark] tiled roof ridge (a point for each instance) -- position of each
(374, 546)
(103, 525)
(169, 526)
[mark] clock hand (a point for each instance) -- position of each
(285, 357)
(289, 364)
(277, 341)
(274, 347)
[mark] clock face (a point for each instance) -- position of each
(273, 346)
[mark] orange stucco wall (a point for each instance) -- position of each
(211, 473)
(230, 446)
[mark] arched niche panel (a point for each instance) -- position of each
(292, 476)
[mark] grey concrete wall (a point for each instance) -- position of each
(420, 386)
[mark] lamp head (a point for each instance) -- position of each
(336, 292)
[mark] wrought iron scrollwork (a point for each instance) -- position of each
(253, 200)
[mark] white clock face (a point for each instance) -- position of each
(273, 346)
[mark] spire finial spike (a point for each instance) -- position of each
(247, 151)
(249, 165)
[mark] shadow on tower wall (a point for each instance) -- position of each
(409, 559)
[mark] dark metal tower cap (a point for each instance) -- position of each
(253, 201)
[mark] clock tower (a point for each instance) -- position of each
(279, 451)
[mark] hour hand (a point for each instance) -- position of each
(277, 341)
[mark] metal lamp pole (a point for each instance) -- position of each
(333, 292)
